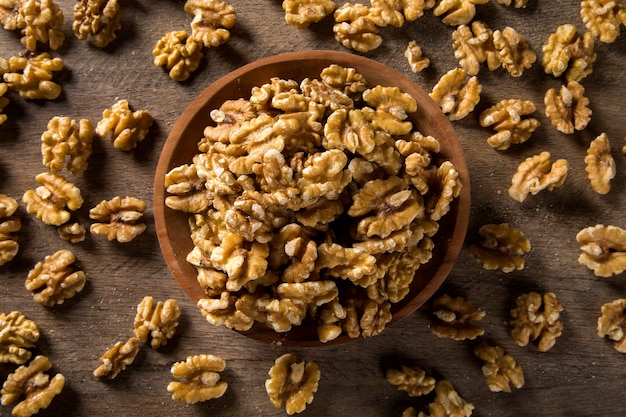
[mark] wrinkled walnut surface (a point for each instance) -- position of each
(9, 226)
(537, 173)
(118, 219)
(54, 280)
(452, 317)
(503, 247)
(500, 368)
(536, 318)
(292, 382)
(603, 249)
(199, 377)
(412, 380)
(612, 323)
(18, 335)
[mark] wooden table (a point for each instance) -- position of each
(582, 375)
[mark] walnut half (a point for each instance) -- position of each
(9, 225)
(536, 317)
(293, 382)
(502, 248)
(452, 316)
(200, 375)
(17, 335)
(54, 280)
(412, 380)
(500, 369)
(603, 249)
(118, 219)
(612, 323)
(156, 321)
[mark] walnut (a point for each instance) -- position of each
(49, 201)
(603, 249)
(518, 4)
(281, 314)
(118, 218)
(188, 191)
(391, 12)
(157, 322)
(537, 173)
(412, 380)
(473, 45)
(9, 225)
(200, 375)
(452, 316)
(293, 382)
(3, 100)
(445, 187)
(456, 99)
(355, 27)
(536, 317)
(43, 22)
(457, 12)
(211, 21)
(67, 143)
(10, 14)
(178, 53)
(448, 403)
(414, 56)
(502, 248)
(17, 335)
(33, 384)
(32, 77)
(223, 311)
(127, 127)
(600, 165)
(117, 358)
(311, 292)
(514, 53)
(302, 13)
(507, 118)
(366, 317)
(567, 52)
(612, 322)
(97, 20)
(603, 18)
(54, 279)
(499, 368)
(568, 109)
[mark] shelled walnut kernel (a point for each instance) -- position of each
(502, 248)
(412, 380)
(118, 218)
(3, 100)
(612, 323)
(49, 201)
(506, 117)
(42, 21)
(448, 402)
(117, 358)
(603, 18)
(293, 382)
(568, 109)
(514, 52)
(500, 369)
(603, 249)
(17, 335)
(156, 322)
(126, 127)
(97, 20)
(457, 12)
(414, 56)
(473, 46)
(72, 232)
(452, 318)
(54, 280)
(67, 143)
(178, 53)
(9, 14)
(600, 165)
(31, 76)
(200, 376)
(456, 97)
(567, 52)
(356, 27)
(302, 13)
(536, 317)
(9, 225)
(211, 21)
(537, 173)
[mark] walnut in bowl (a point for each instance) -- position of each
(311, 198)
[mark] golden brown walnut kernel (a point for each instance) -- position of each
(54, 280)
(67, 142)
(452, 318)
(118, 218)
(42, 22)
(412, 380)
(536, 318)
(445, 187)
(97, 20)
(156, 322)
(72, 232)
(9, 225)
(537, 173)
(224, 311)
(32, 77)
(200, 375)
(603, 18)
(500, 369)
(117, 358)
(567, 52)
(9, 14)
(502, 248)
(507, 118)
(126, 127)
(211, 21)
(17, 335)
(448, 403)
(603, 249)
(455, 98)
(612, 323)
(33, 384)
(188, 191)
(178, 53)
(599, 164)
(457, 12)
(414, 56)
(568, 109)
(302, 13)
(513, 50)
(293, 382)
(3, 100)
(518, 4)
(355, 27)
(473, 46)
(49, 201)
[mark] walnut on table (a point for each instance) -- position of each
(599, 164)
(514, 52)
(537, 173)
(452, 318)
(356, 27)
(292, 382)
(536, 318)
(603, 249)
(126, 127)
(67, 143)
(33, 384)
(503, 247)
(42, 23)
(54, 280)
(456, 97)
(507, 118)
(568, 108)
(473, 45)
(567, 52)
(302, 13)
(51, 201)
(447, 403)
(413, 54)
(17, 335)
(118, 218)
(9, 225)
(500, 369)
(97, 20)
(200, 375)
(10, 13)
(31, 76)
(178, 53)
(156, 322)
(117, 358)
(72, 232)
(603, 18)
(211, 21)
(412, 380)
(457, 12)
(612, 323)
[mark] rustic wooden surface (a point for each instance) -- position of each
(582, 375)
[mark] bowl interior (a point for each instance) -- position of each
(181, 145)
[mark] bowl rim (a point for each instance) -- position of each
(454, 242)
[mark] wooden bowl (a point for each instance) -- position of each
(181, 145)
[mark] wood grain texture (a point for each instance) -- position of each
(579, 376)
